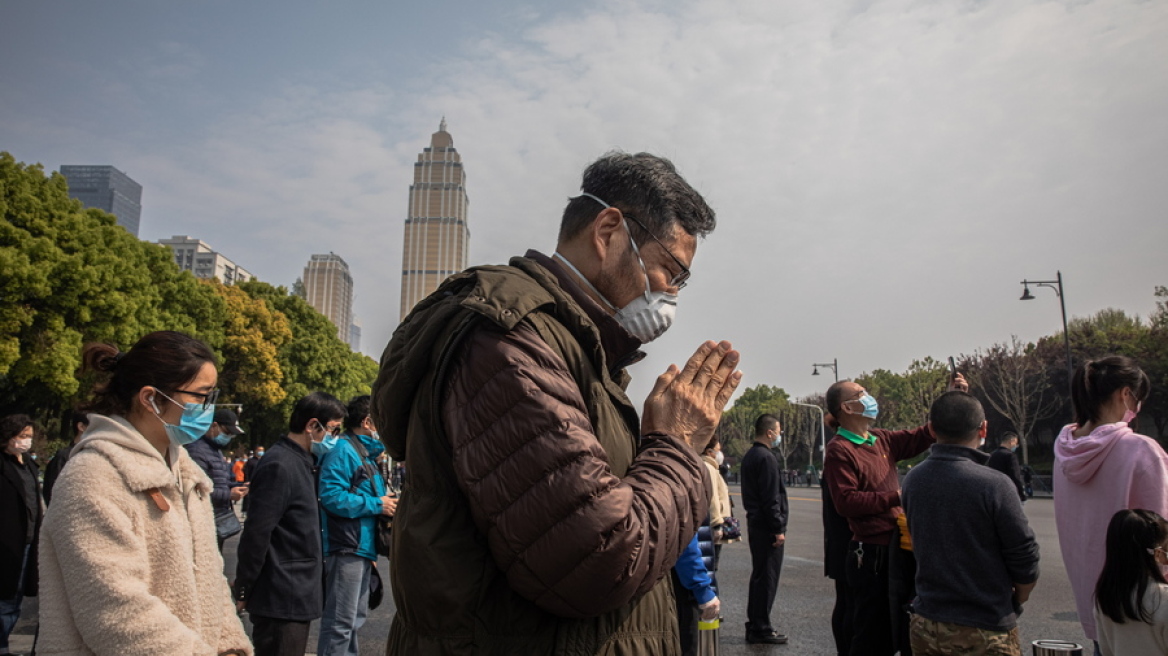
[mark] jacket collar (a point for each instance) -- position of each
(621, 349)
(954, 452)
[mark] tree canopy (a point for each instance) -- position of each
(72, 276)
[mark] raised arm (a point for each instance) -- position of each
(567, 532)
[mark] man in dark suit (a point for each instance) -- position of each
(765, 500)
(278, 577)
(1004, 460)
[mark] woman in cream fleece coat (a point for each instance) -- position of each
(129, 559)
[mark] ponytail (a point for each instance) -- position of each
(1096, 380)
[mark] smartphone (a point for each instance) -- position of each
(952, 367)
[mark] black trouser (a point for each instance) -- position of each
(841, 618)
(766, 562)
(714, 568)
(871, 616)
(902, 589)
(688, 615)
(275, 637)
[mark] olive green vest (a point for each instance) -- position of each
(451, 597)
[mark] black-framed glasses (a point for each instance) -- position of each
(680, 280)
(331, 430)
(208, 399)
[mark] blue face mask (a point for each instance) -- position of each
(196, 420)
(777, 441)
(871, 407)
(324, 446)
(222, 439)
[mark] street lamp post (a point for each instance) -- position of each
(822, 436)
(1057, 286)
(834, 364)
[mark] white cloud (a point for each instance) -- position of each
(885, 172)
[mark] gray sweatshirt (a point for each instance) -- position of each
(971, 539)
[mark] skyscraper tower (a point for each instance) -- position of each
(328, 287)
(107, 189)
(437, 237)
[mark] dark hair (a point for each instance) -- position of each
(164, 359)
(1097, 380)
(13, 425)
(77, 417)
(321, 406)
(834, 398)
(644, 186)
(956, 416)
(765, 423)
(1129, 565)
(356, 411)
(1006, 437)
(714, 441)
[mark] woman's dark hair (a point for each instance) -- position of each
(13, 425)
(164, 359)
(322, 406)
(1097, 380)
(1130, 565)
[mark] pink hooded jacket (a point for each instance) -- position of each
(1096, 476)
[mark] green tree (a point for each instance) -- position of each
(314, 359)
(71, 276)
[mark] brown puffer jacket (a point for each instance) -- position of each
(531, 521)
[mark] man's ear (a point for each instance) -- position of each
(931, 431)
(606, 231)
(981, 430)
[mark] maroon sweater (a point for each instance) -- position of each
(863, 481)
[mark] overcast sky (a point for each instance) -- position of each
(884, 173)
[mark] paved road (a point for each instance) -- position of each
(803, 607)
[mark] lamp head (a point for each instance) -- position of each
(1026, 295)
(815, 370)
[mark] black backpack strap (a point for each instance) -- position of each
(366, 467)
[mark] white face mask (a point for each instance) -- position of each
(20, 445)
(719, 458)
(648, 316)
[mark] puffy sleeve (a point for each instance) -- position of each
(568, 533)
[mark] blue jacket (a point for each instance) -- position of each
(350, 497)
(692, 573)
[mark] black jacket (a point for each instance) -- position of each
(249, 468)
(763, 494)
(14, 518)
(1004, 460)
(53, 470)
(208, 456)
(280, 558)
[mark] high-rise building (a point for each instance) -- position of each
(355, 336)
(437, 237)
(197, 256)
(107, 189)
(328, 287)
